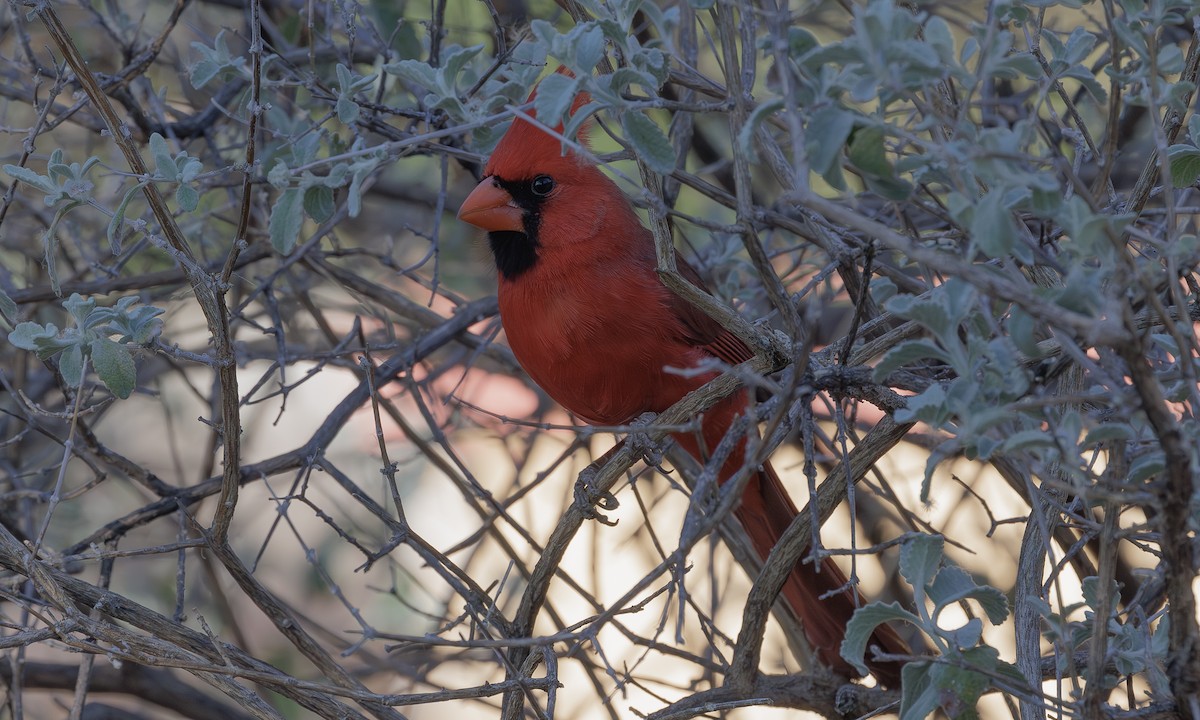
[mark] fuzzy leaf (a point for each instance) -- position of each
(992, 227)
(189, 167)
(939, 37)
(907, 352)
(1194, 129)
(554, 97)
(43, 340)
(1146, 466)
(953, 585)
(347, 110)
(867, 152)
(118, 219)
(50, 246)
(456, 58)
(928, 407)
(959, 690)
(649, 142)
(414, 72)
(589, 49)
(164, 161)
(1021, 328)
(760, 113)
(918, 697)
(969, 635)
(345, 77)
(919, 560)
(29, 177)
(318, 202)
(863, 623)
(82, 309)
(1025, 439)
(360, 171)
(941, 311)
(1108, 431)
(286, 220)
(114, 366)
(280, 175)
(949, 585)
(203, 72)
(825, 135)
(1091, 591)
(213, 61)
(1185, 165)
(71, 366)
(187, 198)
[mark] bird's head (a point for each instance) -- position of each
(534, 195)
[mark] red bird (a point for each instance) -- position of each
(590, 321)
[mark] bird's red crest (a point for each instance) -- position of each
(526, 145)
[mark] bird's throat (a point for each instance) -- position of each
(514, 252)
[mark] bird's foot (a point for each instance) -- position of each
(589, 501)
(641, 442)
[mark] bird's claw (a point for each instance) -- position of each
(641, 442)
(591, 502)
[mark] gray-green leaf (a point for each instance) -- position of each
(825, 135)
(649, 142)
(992, 227)
(118, 218)
(868, 153)
(919, 560)
(71, 366)
(907, 352)
(29, 177)
(33, 336)
(164, 161)
(589, 49)
(187, 197)
(953, 584)
(918, 697)
(414, 72)
(1185, 165)
(347, 109)
(318, 202)
(114, 366)
(554, 97)
(863, 623)
(286, 220)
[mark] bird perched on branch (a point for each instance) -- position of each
(591, 322)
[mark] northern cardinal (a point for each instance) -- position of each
(588, 318)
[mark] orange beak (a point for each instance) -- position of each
(490, 207)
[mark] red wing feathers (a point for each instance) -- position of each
(704, 331)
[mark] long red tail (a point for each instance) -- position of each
(765, 512)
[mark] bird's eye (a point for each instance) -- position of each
(542, 185)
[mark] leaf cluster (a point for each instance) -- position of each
(89, 340)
